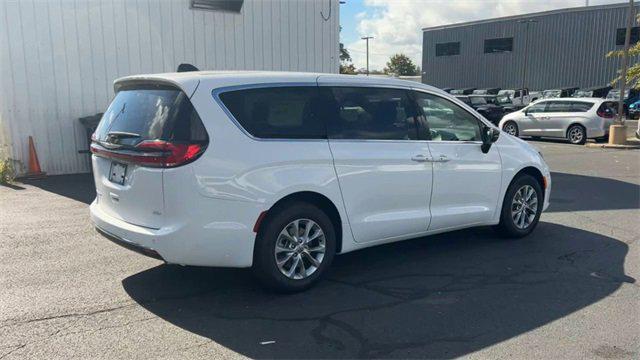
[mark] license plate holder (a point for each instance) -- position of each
(117, 173)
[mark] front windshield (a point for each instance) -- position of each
(503, 100)
(551, 93)
(478, 100)
(582, 93)
(615, 94)
(506, 92)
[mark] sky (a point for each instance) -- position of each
(396, 25)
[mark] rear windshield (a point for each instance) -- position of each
(150, 113)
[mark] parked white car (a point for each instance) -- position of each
(519, 97)
(280, 171)
(575, 119)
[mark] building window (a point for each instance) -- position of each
(218, 5)
(448, 49)
(621, 33)
(498, 45)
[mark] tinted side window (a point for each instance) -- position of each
(581, 106)
(371, 113)
(537, 108)
(559, 106)
(277, 112)
(446, 121)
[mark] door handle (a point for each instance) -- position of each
(545, 118)
(421, 158)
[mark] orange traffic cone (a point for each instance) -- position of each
(34, 165)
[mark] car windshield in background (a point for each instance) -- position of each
(583, 93)
(503, 100)
(615, 94)
(478, 100)
(551, 94)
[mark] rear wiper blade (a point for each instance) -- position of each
(122, 134)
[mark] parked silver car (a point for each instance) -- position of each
(576, 119)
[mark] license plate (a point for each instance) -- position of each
(117, 173)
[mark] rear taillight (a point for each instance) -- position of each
(154, 153)
(605, 114)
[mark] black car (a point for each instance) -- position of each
(594, 91)
(487, 105)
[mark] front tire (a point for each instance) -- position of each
(577, 134)
(294, 247)
(511, 128)
(521, 207)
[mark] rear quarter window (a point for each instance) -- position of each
(277, 112)
(581, 106)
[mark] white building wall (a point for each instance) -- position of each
(58, 58)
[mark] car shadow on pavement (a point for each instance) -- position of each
(571, 192)
(79, 187)
(437, 297)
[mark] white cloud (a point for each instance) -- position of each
(396, 25)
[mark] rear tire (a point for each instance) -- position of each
(286, 258)
(511, 128)
(577, 134)
(521, 207)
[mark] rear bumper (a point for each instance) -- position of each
(130, 245)
(199, 242)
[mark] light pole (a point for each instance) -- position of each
(367, 39)
(618, 131)
(526, 52)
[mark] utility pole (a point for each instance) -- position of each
(526, 56)
(367, 39)
(618, 131)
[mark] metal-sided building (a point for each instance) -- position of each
(564, 48)
(58, 58)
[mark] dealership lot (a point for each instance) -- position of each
(569, 290)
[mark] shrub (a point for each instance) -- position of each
(6, 171)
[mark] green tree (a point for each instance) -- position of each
(633, 71)
(348, 69)
(344, 53)
(401, 65)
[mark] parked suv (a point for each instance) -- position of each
(575, 119)
(559, 92)
(281, 171)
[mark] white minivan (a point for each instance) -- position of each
(574, 119)
(281, 171)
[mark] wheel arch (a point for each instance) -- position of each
(535, 173)
(311, 197)
(566, 131)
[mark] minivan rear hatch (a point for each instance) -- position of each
(147, 128)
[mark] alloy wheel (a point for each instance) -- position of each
(300, 249)
(576, 134)
(510, 129)
(524, 207)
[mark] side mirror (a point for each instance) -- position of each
(489, 136)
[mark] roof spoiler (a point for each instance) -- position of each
(187, 67)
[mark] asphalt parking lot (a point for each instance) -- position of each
(570, 290)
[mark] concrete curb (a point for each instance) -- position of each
(609, 146)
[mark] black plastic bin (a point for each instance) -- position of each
(90, 124)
